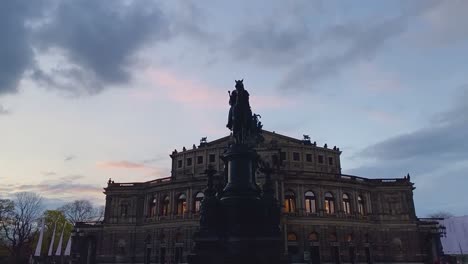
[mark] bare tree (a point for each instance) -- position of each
(19, 224)
(81, 211)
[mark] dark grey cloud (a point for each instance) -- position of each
(309, 51)
(16, 54)
(81, 46)
(69, 158)
(445, 138)
(363, 43)
(99, 38)
(435, 156)
(66, 185)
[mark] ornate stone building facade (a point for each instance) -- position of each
(328, 217)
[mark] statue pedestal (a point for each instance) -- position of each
(243, 226)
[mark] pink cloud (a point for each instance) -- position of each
(197, 94)
(120, 165)
(376, 79)
(128, 165)
(268, 101)
(190, 92)
(383, 117)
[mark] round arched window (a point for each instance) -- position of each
(198, 199)
(165, 206)
(329, 203)
(292, 237)
(346, 204)
(182, 204)
(289, 202)
(313, 236)
(310, 202)
(361, 204)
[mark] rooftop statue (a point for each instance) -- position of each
(245, 127)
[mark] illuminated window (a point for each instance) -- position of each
(346, 204)
(182, 204)
(349, 238)
(329, 203)
(360, 203)
(165, 206)
(289, 202)
(292, 237)
(310, 202)
(152, 207)
(313, 236)
(198, 199)
(293, 247)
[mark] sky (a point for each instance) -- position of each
(92, 90)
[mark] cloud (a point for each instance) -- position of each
(69, 158)
(121, 165)
(146, 169)
(447, 22)
(434, 155)
(83, 46)
(48, 173)
(363, 43)
(16, 54)
(383, 117)
(184, 90)
(307, 46)
(98, 39)
(4, 111)
(59, 190)
(444, 139)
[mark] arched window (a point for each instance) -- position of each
(124, 209)
(152, 207)
(289, 202)
(346, 204)
(182, 204)
(292, 237)
(332, 237)
(165, 206)
(293, 247)
(329, 203)
(310, 202)
(349, 238)
(198, 198)
(313, 236)
(360, 204)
